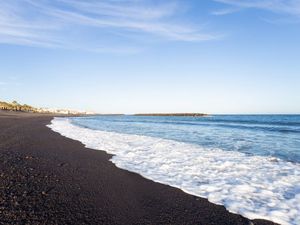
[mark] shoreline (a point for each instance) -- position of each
(47, 178)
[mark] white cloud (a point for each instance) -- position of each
(288, 7)
(89, 24)
(225, 11)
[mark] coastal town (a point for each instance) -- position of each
(15, 106)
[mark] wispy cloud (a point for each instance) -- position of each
(288, 7)
(9, 84)
(97, 25)
(225, 11)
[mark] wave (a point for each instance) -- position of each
(256, 187)
(269, 120)
(270, 125)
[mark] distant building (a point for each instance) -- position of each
(15, 106)
(64, 111)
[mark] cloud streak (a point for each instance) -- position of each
(287, 7)
(90, 24)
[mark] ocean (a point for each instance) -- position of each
(248, 163)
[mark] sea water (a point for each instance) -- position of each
(248, 163)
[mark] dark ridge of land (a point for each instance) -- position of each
(107, 114)
(172, 114)
(46, 178)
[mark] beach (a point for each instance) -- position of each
(46, 178)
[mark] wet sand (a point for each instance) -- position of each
(48, 179)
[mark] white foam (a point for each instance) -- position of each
(253, 186)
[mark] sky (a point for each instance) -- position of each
(138, 56)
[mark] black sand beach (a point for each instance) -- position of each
(48, 179)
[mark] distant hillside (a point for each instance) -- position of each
(15, 106)
(173, 114)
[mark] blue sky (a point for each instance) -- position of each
(113, 56)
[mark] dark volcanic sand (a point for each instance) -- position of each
(48, 179)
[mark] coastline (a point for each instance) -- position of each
(47, 178)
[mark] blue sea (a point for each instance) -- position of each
(248, 163)
(267, 135)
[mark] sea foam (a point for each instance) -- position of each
(256, 187)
